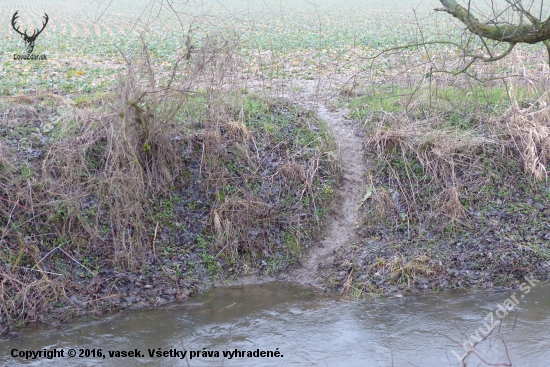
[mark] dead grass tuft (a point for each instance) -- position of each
(401, 270)
(530, 132)
(386, 205)
(294, 172)
(452, 207)
(237, 130)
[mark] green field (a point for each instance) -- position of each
(279, 39)
(282, 39)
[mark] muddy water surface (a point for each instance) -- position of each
(309, 328)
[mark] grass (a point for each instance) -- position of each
(459, 104)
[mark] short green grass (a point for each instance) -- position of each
(459, 104)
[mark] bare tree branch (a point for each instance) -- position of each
(532, 33)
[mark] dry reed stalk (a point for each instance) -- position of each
(530, 131)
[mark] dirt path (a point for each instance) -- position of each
(341, 223)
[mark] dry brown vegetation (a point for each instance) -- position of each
(458, 174)
(142, 196)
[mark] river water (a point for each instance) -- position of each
(308, 328)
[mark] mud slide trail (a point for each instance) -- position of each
(340, 225)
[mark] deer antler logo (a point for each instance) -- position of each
(29, 40)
